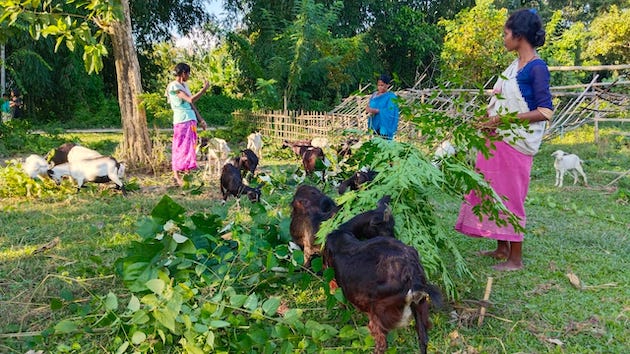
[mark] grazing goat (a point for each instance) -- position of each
(309, 208)
(298, 146)
(567, 162)
(35, 166)
(218, 151)
(383, 278)
(255, 143)
(98, 170)
(232, 184)
(248, 161)
(309, 154)
(71, 152)
(372, 223)
(310, 158)
(356, 180)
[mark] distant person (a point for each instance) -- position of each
(523, 88)
(16, 104)
(6, 107)
(185, 118)
(383, 119)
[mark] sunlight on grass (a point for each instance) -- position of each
(16, 253)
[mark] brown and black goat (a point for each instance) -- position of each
(309, 208)
(232, 184)
(382, 277)
(248, 161)
(308, 153)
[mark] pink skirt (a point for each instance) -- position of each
(184, 154)
(508, 172)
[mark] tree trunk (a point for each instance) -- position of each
(135, 149)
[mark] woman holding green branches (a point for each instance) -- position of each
(522, 89)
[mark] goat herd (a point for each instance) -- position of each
(380, 275)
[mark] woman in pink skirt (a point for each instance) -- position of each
(185, 118)
(523, 88)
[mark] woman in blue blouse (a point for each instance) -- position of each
(522, 89)
(383, 119)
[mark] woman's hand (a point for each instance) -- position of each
(371, 110)
(203, 124)
(488, 123)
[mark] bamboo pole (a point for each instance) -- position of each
(484, 304)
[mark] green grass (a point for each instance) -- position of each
(581, 230)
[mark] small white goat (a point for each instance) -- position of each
(218, 151)
(98, 170)
(255, 143)
(35, 166)
(567, 162)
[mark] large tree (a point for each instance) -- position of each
(90, 24)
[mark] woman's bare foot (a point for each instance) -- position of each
(496, 254)
(507, 266)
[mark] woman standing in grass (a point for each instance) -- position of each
(185, 118)
(383, 110)
(523, 88)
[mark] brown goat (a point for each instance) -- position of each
(384, 278)
(309, 208)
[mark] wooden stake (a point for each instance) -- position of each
(484, 304)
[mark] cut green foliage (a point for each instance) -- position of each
(183, 273)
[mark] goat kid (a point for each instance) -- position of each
(218, 151)
(310, 207)
(98, 170)
(567, 162)
(35, 166)
(232, 184)
(383, 278)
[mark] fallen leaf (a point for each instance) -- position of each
(555, 341)
(575, 281)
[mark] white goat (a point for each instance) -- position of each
(98, 170)
(218, 151)
(35, 166)
(255, 143)
(567, 162)
(79, 153)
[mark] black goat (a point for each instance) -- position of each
(309, 208)
(372, 223)
(356, 180)
(232, 184)
(383, 278)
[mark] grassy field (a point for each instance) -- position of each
(572, 297)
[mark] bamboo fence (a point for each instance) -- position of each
(575, 105)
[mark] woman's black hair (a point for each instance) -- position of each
(385, 78)
(527, 24)
(181, 68)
